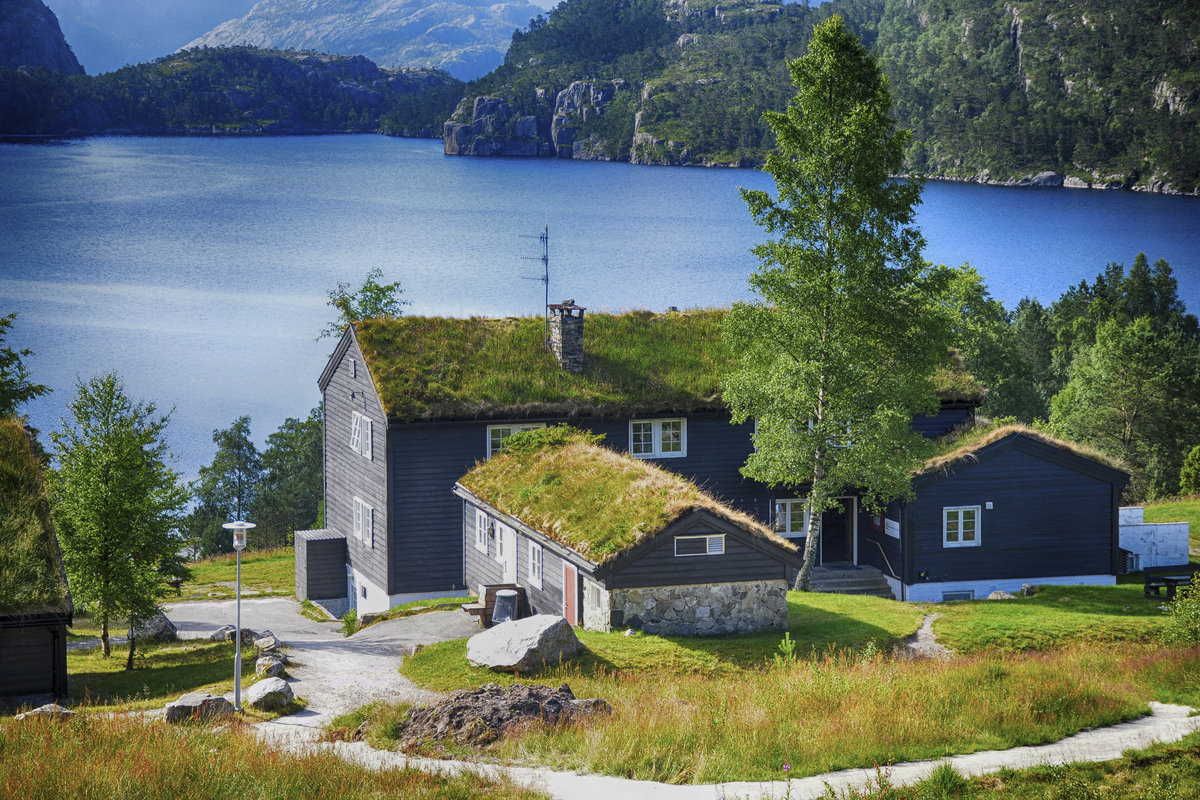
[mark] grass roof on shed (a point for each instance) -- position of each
(31, 577)
(638, 362)
(597, 502)
(963, 443)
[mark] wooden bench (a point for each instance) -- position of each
(482, 609)
(1169, 578)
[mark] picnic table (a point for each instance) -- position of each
(1156, 582)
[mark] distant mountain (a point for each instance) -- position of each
(231, 91)
(467, 38)
(110, 34)
(30, 37)
(1100, 93)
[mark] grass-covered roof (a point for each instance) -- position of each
(965, 442)
(31, 575)
(638, 362)
(563, 484)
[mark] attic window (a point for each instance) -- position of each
(960, 526)
(353, 368)
(658, 438)
(496, 434)
(360, 434)
(710, 545)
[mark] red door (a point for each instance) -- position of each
(570, 593)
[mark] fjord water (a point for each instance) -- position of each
(198, 268)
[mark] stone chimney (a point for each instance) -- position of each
(566, 335)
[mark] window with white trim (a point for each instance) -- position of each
(361, 434)
(707, 545)
(496, 434)
(960, 526)
(535, 564)
(353, 368)
(791, 517)
(658, 438)
(482, 521)
(364, 522)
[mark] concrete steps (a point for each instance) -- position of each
(858, 580)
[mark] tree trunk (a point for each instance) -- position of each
(104, 648)
(132, 646)
(813, 526)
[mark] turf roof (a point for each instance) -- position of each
(964, 443)
(597, 502)
(31, 575)
(638, 362)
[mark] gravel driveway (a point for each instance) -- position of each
(334, 674)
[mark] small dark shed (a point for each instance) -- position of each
(35, 603)
(609, 541)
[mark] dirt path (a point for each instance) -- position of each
(923, 643)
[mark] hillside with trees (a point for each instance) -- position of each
(1097, 92)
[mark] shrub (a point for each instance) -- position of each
(1189, 475)
(1183, 627)
(350, 622)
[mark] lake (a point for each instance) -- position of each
(197, 268)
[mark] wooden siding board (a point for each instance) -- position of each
(347, 473)
(1047, 520)
(876, 548)
(33, 660)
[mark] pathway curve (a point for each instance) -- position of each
(923, 643)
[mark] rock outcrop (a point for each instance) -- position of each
(478, 717)
(157, 629)
(49, 711)
(521, 645)
(495, 129)
(30, 37)
(270, 694)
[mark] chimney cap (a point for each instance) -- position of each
(566, 305)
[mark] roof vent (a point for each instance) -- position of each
(566, 334)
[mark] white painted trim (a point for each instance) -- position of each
(932, 592)
(897, 586)
(656, 437)
(977, 541)
(536, 549)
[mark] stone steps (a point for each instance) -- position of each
(862, 580)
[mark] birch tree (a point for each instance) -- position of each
(836, 354)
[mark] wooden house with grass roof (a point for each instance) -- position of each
(35, 603)
(412, 403)
(610, 541)
(1001, 506)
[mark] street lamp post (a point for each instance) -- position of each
(239, 529)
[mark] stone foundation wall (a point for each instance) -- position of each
(703, 609)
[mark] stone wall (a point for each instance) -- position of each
(702, 609)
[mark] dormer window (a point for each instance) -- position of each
(658, 438)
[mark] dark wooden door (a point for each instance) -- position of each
(837, 533)
(570, 593)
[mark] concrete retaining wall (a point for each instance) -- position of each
(1163, 544)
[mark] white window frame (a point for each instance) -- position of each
(361, 429)
(508, 562)
(511, 428)
(482, 520)
(792, 504)
(535, 564)
(947, 511)
(714, 546)
(656, 438)
(364, 522)
(353, 368)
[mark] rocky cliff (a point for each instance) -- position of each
(467, 38)
(30, 37)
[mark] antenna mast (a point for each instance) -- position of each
(544, 238)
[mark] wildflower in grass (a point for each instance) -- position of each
(787, 767)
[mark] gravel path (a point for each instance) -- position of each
(923, 643)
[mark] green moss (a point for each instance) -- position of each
(31, 577)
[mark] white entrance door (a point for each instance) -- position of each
(506, 551)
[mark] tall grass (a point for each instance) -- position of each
(120, 758)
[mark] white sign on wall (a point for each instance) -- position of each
(891, 527)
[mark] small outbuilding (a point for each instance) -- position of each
(35, 603)
(609, 541)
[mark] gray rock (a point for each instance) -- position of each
(267, 667)
(1000, 594)
(1047, 179)
(270, 694)
(266, 643)
(248, 636)
(1071, 182)
(200, 706)
(49, 711)
(222, 634)
(1027, 589)
(30, 37)
(523, 644)
(156, 629)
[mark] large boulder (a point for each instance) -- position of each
(268, 667)
(199, 706)
(266, 643)
(156, 629)
(50, 711)
(248, 636)
(478, 717)
(270, 694)
(522, 645)
(222, 634)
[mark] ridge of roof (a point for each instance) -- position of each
(591, 499)
(964, 443)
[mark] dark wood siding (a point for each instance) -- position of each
(876, 548)
(657, 565)
(948, 417)
(347, 473)
(320, 567)
(1047, 519)
(33, 660)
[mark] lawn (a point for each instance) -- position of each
(98, 757)
(1186, 509)
(265, 573)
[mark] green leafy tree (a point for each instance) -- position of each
(15, 387)
(1189, 474)
(116, 505)
(372, 299)
(837, 356)
(292, 485)
(226, 489)
(1183, 625)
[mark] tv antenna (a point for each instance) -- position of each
(544, 238)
